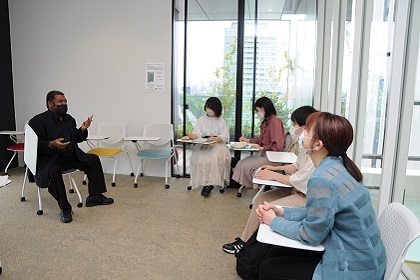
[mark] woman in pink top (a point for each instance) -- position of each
(272, 138)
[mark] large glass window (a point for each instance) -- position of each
(279, 58)
(347, 59)
(275, 41)
(412, 179)
(378, 83)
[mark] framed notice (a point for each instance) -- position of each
(155, 76)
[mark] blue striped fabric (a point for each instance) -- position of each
(338, 214)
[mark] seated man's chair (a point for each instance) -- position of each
(399, 228)
(162, 149)
(17, 147)
(30, 157)
(114, 146)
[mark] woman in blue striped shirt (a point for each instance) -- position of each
(338, 212)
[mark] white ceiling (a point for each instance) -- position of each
(214, 10)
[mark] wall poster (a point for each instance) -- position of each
(155, 76)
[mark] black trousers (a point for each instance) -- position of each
(92, 168)
(265, 261)
(287, 263)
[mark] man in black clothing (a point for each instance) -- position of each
(58, 151)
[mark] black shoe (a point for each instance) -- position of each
(206, 190)
(98, 199)
(234, 247)
(66, 216)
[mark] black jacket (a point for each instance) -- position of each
(42, 125)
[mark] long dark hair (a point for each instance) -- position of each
(336, 134)
(265, 102)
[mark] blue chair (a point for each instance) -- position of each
(162, 149)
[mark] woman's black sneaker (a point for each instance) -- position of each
(234, 247)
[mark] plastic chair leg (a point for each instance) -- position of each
(137, 174)
(166, 173)
(22, 198)
(10, 162)
(39, 212)
(72, 182)
(239, 194)
(113, 174)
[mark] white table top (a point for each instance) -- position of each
(97, 137)
(266, 235)
(203, 141)
(284, 157)
(12, 132)
(142, 138)
(247, 148)
(269, 183)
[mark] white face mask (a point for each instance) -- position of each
(260, 115)
(302, 149)
(300, 141)
(210, 112)
(292, 132)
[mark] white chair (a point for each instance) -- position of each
(17, 147)
(399, 228)
(162, 149)
(30, 157)
(114, 146)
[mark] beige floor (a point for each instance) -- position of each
(148, 233)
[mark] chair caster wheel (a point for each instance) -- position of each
(84, 182)
(132, 174)
(221, 190)
(250, 206)
(113, 184)
(79, 204)
(71, 191)
(141, 174)
(167, 186)
(239, 194)
(22, 199)
(39, 212)
(189, 188)
(136, 185)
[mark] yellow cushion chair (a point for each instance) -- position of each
(114, 146)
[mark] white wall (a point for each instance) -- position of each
(94, 51)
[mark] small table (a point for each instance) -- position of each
(203, 141)
(246, 148)
(283, 157)
(266, 235)
(12, 132)
(265, 182)
(96, 138)
(136, 139)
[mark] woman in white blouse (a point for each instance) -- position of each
(210, 162)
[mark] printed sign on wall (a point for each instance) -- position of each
(155, 76)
